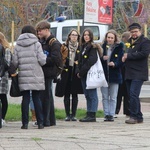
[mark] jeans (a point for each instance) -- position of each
(134, 89)
(31, 102)
(91, 97)
(48, 103)
(109, 98)
(37, 105)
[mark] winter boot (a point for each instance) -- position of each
(90, 118)
(85, 118)
(33, 115)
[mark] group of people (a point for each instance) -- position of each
(125, 65)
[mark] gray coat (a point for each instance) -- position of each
(28, 58)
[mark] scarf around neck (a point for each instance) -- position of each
(72, 50)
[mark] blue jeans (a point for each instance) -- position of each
(91, 97)
(109, 98)
(134, 89)
(31, 102)
(37, 105)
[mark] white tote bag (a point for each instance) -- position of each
(95, 76)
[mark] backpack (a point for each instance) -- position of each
(63, 50)
(3, 63)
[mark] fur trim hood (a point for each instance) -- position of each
(100, 49)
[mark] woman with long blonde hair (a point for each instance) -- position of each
(4, 79)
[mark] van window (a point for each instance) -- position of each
(53, 31)
(66, 30)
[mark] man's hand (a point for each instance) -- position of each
(105, 57)
(111, 64)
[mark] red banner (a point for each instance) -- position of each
(105, 11)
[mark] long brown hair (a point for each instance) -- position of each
(4, 41)
(90, 35)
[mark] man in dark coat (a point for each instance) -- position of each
(50, 70)
(136, 65)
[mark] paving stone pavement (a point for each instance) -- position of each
(78, 136)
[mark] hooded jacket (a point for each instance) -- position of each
(28, 58)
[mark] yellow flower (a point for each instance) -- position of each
(66, 70)
(107, 46)
(116, 55)
(127, 45)
(78, 51)
(85, 56)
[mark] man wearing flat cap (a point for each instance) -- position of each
(136, 65)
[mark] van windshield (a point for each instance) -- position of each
(66, 30)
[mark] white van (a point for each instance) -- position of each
(61, 29)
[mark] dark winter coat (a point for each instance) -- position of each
(70, 83)
(136, 64)
(113, 74)
(50, 69)
(88, 59)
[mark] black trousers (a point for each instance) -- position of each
(4, 105)
(123, 96)
(48, 103)
(37, 105)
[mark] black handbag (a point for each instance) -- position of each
(14, 89)
(59, 89)
(61, 84)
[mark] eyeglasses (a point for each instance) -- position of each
(134, 31)
(74, 34)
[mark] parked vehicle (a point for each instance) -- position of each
(61, 29)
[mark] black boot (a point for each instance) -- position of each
(67, 108)
(85, 118)
(74, 108)
(93, 116)
(90, 118)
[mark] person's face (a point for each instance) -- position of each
(86, 36)
(73, 36)
(110, 39)
(43, 33)
(135, 33)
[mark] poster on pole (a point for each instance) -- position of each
(98, 11)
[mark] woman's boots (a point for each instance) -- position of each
(33, 117)
(90, 117)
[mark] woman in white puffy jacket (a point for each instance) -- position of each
(28, 58)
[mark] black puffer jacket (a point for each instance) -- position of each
(53, 57)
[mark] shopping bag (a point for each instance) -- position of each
(95, 76)
(14, 89)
